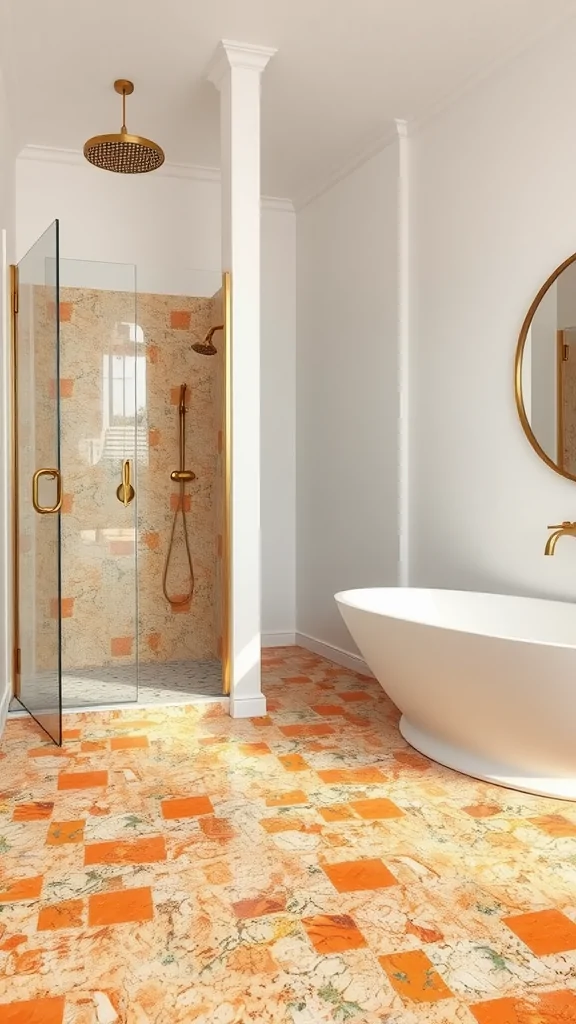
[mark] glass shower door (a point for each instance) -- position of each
(104, 440)
(38, 484)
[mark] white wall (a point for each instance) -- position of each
(6, 257)
(495, 208)
(170, 228)
(347, 394)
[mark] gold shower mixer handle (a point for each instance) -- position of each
(125, 492)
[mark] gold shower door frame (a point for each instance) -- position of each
(227, 472)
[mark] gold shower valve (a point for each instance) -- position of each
(125, 492)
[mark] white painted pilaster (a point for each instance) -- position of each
(236, 71)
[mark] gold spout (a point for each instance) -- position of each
(565, 529)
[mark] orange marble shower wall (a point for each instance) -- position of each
(113, 557)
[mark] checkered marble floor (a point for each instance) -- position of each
(172, 865)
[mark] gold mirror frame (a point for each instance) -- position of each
(518, 369)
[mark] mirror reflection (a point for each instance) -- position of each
(546, 371)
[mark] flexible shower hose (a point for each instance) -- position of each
(177, 601)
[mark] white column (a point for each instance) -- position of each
(236, 70)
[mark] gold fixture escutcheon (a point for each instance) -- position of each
(52, 474)
(125, 492)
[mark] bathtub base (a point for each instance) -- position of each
(560, 787)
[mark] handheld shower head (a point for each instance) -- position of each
(206, 347)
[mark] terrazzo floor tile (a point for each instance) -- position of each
(172, 865)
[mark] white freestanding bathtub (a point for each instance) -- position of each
(486, 684)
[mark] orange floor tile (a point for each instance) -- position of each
(174, 866)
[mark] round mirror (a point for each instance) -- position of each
(546, 371)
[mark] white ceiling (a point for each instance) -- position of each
(343, 70)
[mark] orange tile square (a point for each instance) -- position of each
(555, 825)
(373, 810)
(151, 540)
(411, 759)
(153, 437)
(544, 1008)
(180, 319)
(90, 746)
(544, 932)
(122, 907)
(33, 1011)
(144, 850)
(32, 812)
(283, 824)
(82, 780)
(71, 734)
(333, 933)
(336, 812)
(61, 833)
(66, 388)
(154, 640)
(175, 396)
(68, 914)
(176, 503)
(293, 762)
(414, 977)
(482, 810)
(352, 776)
(357, 875)
(217, 828)
(262, 722)
(21, 889)
(67, 504)
(153, 353)
(65, 607)
(128, 742)
(121, 646)
(260, 907)
(254, 749)
(186, 807)
(304, 730)
(66, 312)
(295, 796)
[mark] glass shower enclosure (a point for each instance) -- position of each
(97, 380)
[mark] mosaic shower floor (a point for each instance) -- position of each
(170, 682)
(172, 865)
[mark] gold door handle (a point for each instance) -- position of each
(52, 474)
(125, 492)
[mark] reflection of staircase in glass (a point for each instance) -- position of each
(118, 443)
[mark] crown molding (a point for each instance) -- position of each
(187, 172)
(394, 130)
(231, 54)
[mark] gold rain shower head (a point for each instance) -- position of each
(124, 153)
(207, 347)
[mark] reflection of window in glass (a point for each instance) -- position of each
(124, 395)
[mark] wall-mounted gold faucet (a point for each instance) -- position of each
(565, 529)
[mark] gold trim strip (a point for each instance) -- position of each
(16, 668)
(227, 510)
(559, 401)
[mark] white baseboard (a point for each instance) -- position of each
(278, 639)
(248, 707)
(331, 653)
(4, 705)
